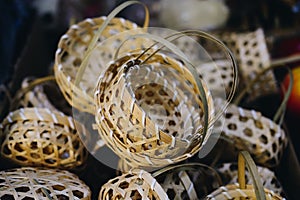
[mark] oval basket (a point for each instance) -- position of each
(42, 184)
(40, 137)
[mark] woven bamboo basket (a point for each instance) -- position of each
(41, 184)
(136, 184)
(250, 130)
(31, 97)
(229, 174)
(40, 137)
(71, 51)
(241, 190)
(252, 55)
(154, 122)
(188, 181)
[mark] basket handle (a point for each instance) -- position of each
(97, 35)
(245, 160)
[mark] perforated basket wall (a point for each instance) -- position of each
(71, 51)
(32, 97)
(252, 55)
(249, 130)
(40, 137)
(188, 181)
(136, 184)
(229, 173)
(37, 183)
(229, 192)
(150, 123)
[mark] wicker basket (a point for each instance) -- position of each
(136, 184)
(252, 55)
(71, 50)
(154, 122)
(40, 137)
(249, 130)
(241, 190)
(41, 184)
(31, 96)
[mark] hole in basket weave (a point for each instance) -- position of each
(78, 194)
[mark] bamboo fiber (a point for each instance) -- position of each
(42, 184)
(150, 124)
(241, 190)
(250, 130)
(40, 137)
(136, 184)
(70, 54)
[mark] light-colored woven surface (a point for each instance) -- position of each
(229, 173)
(233, 192)
(252, 55)
(40, 137)
(71, 51)
(219, 76)
(36, 184)
(136, 184)
(188, 181)
(250, 130)
(34, 97)
(150, 122)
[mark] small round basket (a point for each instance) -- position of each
(136, 184)
(40, 137)
(42, 184)
(149, 111)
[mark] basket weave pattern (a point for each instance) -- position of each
(147, 138)
(39, 137)
(35, 97)
(32, 183)
(252, 55)
(71, 51)
(251, 131)
(136, 184)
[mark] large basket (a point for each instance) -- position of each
(71, 51)
(40, 137)
(151, 123)
(41, 184)
(241, 190)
